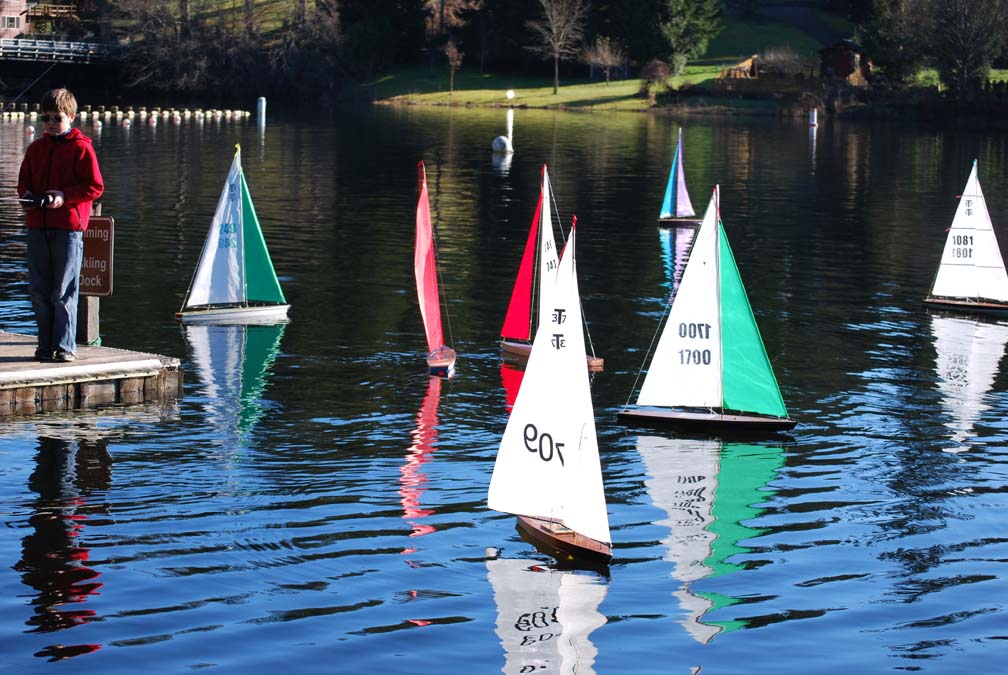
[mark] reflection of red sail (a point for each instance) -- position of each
(512, 379)
(411, 478)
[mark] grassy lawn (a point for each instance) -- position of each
(429, 85)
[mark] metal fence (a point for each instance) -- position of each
(58, 50)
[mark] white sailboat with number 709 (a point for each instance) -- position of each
(548, 471)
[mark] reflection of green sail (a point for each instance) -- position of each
(708, 490)
(262, 344)
(233, 362)
(745, 472)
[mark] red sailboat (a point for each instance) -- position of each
(536, 279)
(440, 357)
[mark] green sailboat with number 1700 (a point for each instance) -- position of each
(710, 369)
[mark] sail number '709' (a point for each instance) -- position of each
(694, 331)
(542, 443)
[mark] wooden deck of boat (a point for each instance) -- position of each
(99, 376)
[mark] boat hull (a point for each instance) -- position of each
(703, 420)
(238, 314)
(688, 221)
(981, 306)
(519, 349)
(566, 545)
(441, 361)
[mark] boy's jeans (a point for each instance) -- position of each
(54, 265)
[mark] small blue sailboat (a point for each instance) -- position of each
(677, 210)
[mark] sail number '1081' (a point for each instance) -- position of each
(543, 444)
(694, 331)
(962, 246)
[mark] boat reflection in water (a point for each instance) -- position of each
(545, 617)
(69, 477)
(968, 352)
(233, 362)
(676, 243)
(707, 488)
(412, 480)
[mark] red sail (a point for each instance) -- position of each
(518, 321)
(425, 267)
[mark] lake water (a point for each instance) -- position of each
(314, 503)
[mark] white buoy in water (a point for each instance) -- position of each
(126, 123)
(502, 144)
(812, 114)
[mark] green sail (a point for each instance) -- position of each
(749, 382)
(261, 284)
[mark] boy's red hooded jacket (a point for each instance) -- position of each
(66, 163)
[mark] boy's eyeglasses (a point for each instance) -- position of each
(51, 118)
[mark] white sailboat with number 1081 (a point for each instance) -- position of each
(547, 470)
(971, 275)
(234, 281)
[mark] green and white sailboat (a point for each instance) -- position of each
(234, 281)
(710, 368)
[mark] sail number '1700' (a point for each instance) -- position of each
(694, 331)
(543, 444)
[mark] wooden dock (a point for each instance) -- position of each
(99, 376)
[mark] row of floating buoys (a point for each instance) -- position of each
(174, 114)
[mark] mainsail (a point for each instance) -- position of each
(540, 253)
(971, 266)
(548, 463)
(425, 267)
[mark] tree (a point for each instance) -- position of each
(895, 38)
(965, 38)
(454, 63)
(558, 32)
(444, 16)
(604, 53)
(688, 26)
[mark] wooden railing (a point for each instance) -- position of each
(57, 50)
(50, 11)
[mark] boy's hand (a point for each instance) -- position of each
(53, 199)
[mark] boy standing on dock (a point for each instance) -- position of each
(59, 179)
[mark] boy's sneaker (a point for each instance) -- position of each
(42, 355)
(64, 357)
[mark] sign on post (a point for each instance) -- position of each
(96, 269)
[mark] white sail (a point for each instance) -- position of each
(545, 617)
(686, 367)
(548, 260)
(971, 264)
(968, 353)
(548, 463)
(682, 481)
(220, 274)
